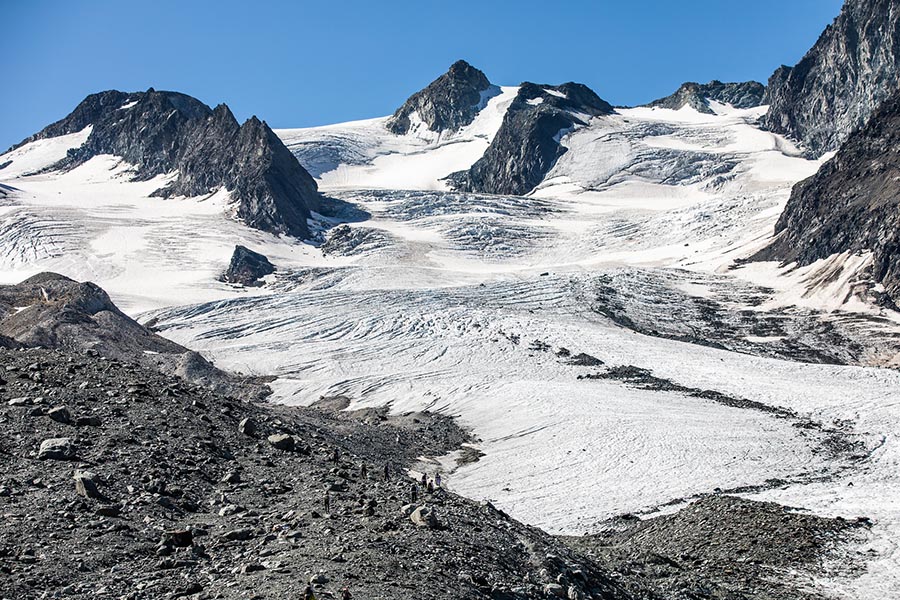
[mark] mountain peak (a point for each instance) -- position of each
(448, 103)
(746, 94)
(161, 132)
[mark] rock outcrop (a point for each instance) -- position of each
(449, 102)
(852, 68)
(527, 144)
(746, 94)
(53, 311)
(167, 132)
(247, 267)
(851, 204)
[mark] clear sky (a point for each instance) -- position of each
(297, 64)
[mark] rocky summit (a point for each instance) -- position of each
(446, 104)
(527, 144)
(167, 132)
(852, 68)
(746, 94)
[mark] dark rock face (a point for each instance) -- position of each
(852, 203)
(162, 132)
(848, 73)
(527, 145)
(52, 311)
(247, 267)
(449, 102)
(746, 94)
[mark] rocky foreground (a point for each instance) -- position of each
(120, 479)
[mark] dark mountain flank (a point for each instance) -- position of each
(745, 94)
(165, 132)
(847, 74)
(852, 203)
(527, 144)
(449, 102)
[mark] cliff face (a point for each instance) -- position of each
(745, 94)
(449, 102)
(165, 132)
(527, 146)
(852, 203)
(848, 73)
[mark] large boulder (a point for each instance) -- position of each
(247, 267)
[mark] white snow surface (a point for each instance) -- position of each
(459, 303)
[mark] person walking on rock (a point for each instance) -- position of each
(308, 593)
(424, 480)
(414, 493)
(437, 480)
(387, 471)
(363, 471)
(327, 502)
(335, 456)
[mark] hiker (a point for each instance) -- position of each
(387, 471)
(345, 594)
(424, 480)
(414, 493)
(437, 480)
(363, 471)
(308, 593)
(335, 456)
(327, 502)
(430, 487)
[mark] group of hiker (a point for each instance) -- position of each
(429, 485)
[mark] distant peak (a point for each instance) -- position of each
(448, 103)
(744, 94)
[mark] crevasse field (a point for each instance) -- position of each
(475, 305)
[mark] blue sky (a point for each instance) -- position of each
(298, 64)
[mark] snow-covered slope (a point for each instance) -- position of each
(477, 305)
(365, 154)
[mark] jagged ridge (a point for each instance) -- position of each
(527, 144)
(165, 132)
(852, 68)
(745, 94)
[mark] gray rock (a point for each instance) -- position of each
(86, 485)
(57, 449)
(247, 426)
(240, 535)
(282, 441)
(247, 267)
(424, 516)
(554, 590)
(60, 414)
